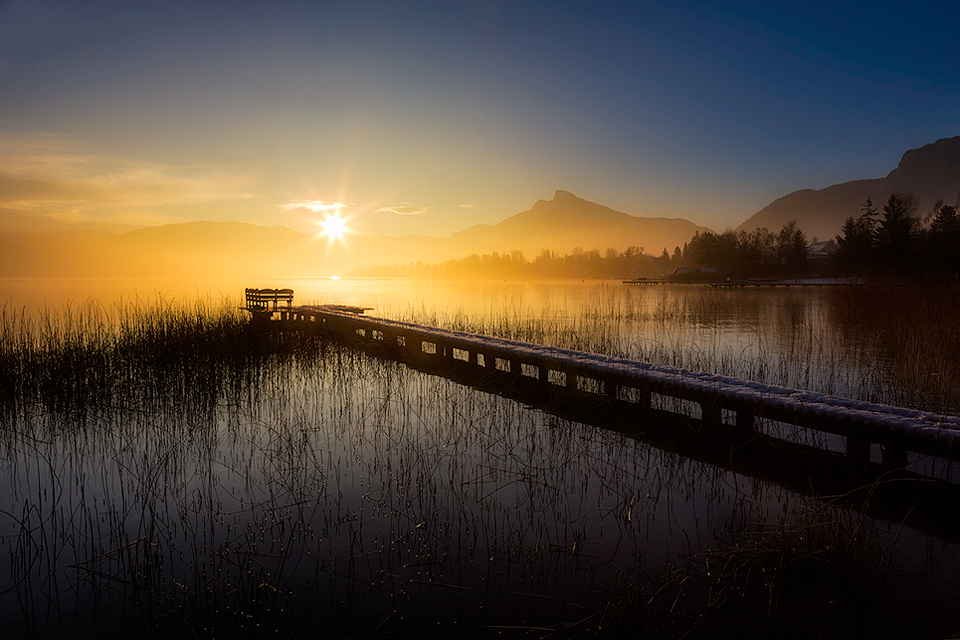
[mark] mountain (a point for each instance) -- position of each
(930, 173)
(567, 222)
(241, 250)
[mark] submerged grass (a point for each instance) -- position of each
(167, 472)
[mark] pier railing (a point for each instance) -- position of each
(722, 400)
(268, 299)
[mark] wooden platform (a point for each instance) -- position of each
(723, 401)
(774, 282)
(742, 284)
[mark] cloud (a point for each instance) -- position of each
(316, 206)
(59, 176)
(403, 210)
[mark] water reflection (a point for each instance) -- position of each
(336, 488)
(313, 487)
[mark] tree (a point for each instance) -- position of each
(792, 247)
(857, 242)
(896, 232)
(756, 251)
(868, 218)
(703, 249)
(943, 239)
(677, 258)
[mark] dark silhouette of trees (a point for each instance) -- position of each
(756, 251)
(750, 254)
(857, 242)
(792, 247)
(942, 242)
(896, 243)
(896, 234)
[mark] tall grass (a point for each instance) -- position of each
(182, 476)
(890, 344)
(89, 356)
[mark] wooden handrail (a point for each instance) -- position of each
(265, 299)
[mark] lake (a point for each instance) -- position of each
(310, 490)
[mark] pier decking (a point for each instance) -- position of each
(723, 401)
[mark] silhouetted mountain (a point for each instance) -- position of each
(567, 222)
(234, 249)
(930, 173)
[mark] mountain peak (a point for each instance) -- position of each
(933, 168)
(930, 173)
(560, 197)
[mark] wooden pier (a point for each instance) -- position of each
(723, 402)
(757, 283)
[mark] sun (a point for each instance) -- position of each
(334, 227)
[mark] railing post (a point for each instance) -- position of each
(858, 448)
(646, 398)
(610, 388)
(893, 456)
(710, 413)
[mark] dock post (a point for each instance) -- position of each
(745, 419)
(543, 374)
(646, 399)
(610, 388)
(571, 380)
(710, 413)
(893, 456)
(858, 448)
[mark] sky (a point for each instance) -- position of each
(428, 117)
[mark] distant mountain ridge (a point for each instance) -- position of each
(196, 249)
(930, 173)
(568, 222)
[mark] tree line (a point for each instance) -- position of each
(885, 242)
(895, 242)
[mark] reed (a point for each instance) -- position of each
(184, 476)
(892, 344)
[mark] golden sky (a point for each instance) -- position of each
(428, 117)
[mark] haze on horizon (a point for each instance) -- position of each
(429, 117)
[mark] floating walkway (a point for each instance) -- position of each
(723, 401)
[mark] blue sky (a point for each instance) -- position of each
(427, 117)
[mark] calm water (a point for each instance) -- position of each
(782, 336)
(327, 490)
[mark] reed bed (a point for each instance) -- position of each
(892, 344)
(169, 473)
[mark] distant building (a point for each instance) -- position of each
(823, 249)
